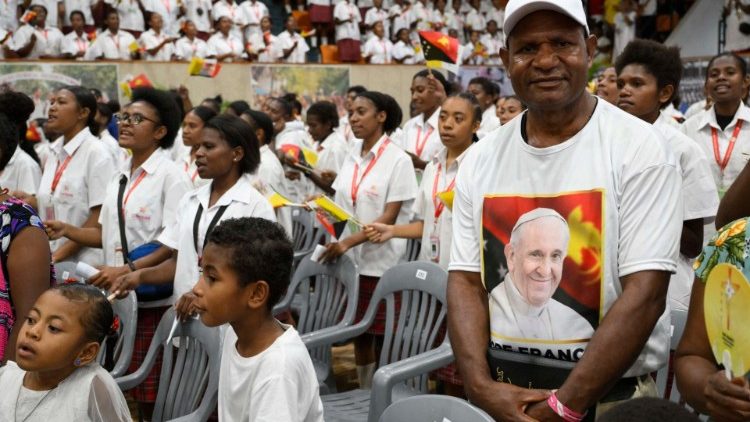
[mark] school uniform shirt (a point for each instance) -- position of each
(286, 40)
(269, 178)
(21, 173)
(89, 394)
(475, 20)
(111, 46)
(185, 49)
(294, 133)
(497, 15)
(198, 11)
(455, 21)
(232, 10)
(169, 10)
(150, 39)
(402, 18)
(219, 45)
(375, 15)
(277, 384)
(469, 56)
(83, 168)
(253, 12)
(701, 129)
(266, 47)
(421, 15)
(332, 152)
(241, 200)
(73, 44)
(131, 16)
(618, 186)
(379, 50)
(699, 200)
(48, 41)
(435, 215)
(421, 137)
(624, 32)
(9, 15)
(150, 201)
(84, 6)
(493, 44)
(191, 171)
(391, 179)
(350, 30)
(735, 39)
(405, 52)
(119, 154)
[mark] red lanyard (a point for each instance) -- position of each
(195, 173)
(439, 205)
(116, 40)
(133, 186)
(420, 145)
(715, 138)
(81, 44)
(59, 172)
(168, 7)
(356, 182)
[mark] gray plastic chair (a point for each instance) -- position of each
(303, 232)
(327, 296)
(413, 247)
(189, 378)
(65, 272)
(127, 310)
(434, 408)
(409, 352)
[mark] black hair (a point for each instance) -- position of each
(286, 107)
(326, 112)
(260, 250)
(237, 133)
(33, 5)
(662, 62)
(215, 103)
(166, 108)
(475, 107)
(514, 97)
(386, 103)
(107, 15)
(291, 98)
(261, 121)
(489, 87)
(741, 63)
(178, 100)
(98, 318)
(105, 111)
(85, 99)
(114, 105)
(356, 89)
(18, 107)
(96, 91)
(239, 106)
(204, 113)
(439, 76)
(648, 409)
(76, 12)
(8, 140)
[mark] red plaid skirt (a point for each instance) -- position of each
(367, 285)
(148, 320)
(321, 14)
(349, 50)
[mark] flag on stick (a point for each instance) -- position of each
(337, 218)
(440, 51)
(278, 200)
(302, 156)
(207, 68)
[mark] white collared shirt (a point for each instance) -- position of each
(403, 18)
(242, 200)
(150, 39)
(219, 45)
(73, 44)
(48, 41)
(422, 138)
(287, 40)
(149, 204)
(421, 15)
(9, 15)
(332, 152)
(345, 10)
(375, 15)
(111, 46)
(493, 44)
(391, 179)
(700, 127)
(169, 10)
(187, 164)
(21, 173)
(119, 154)
(186, 49)
(266, 46)
(294, 134)
(497, 15)
(270, 177)
(223, 8)
(379, 50)
(201, 20)
(405, 52)
(424, 206)
(489, 123)
(131, 17)
(52, 11)
(252, 13)
(475, 20)
(81, 186)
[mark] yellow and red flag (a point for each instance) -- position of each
(140, 81)
(303, 156)
(207, 68)
(441, 51)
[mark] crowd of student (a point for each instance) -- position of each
(177, 210)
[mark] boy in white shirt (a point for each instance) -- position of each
(266, 372)
(293, 47)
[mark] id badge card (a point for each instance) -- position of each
(49, 212)
(434, 245)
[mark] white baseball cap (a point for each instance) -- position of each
(518, 9)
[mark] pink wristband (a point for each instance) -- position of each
(563, 411)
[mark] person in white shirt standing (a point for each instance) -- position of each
(378, 48)
(18, 171)
(113, 44)
(264, 47)
(157, 45)
(322, 120)
(737, 32)
(9, 15)
(400, 17)
(293, 47)
(83, 6)
(190, 45)
(496, 13)
(492, 41)
(624, 26)
(376, 184)
(344, 128)
(475, 20)
(223, 44)
(486, 93)
(76, 43)
(199, 13)
(35, 40)
(170, 11)
(347, 18)
(377, 13)
(130, 13)
(649, 74)
(192, 131)
(252, 13)
(230, 9)
(421, 138)
(403, 52)
(289, 134)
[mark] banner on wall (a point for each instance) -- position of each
(310, 83)
(39, 80)
(496, 74)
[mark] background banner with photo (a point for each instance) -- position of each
(38, 80)
(496, 74)
(693, 80)
(310, 83)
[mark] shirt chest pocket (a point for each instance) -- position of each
(144, 212)
(373, 194)
(71, 191)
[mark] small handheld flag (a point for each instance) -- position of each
(303, 156)
(204, 67)
(447, 198)
(334, 218)
(140, 81)
(278, 200)
(441, 51)
(28, 16)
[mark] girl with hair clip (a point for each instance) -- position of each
(55, 376)
(139, 203)
(376, 184)
(76, 173)
(192, 130)
(190, 45)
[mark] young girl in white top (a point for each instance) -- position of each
(55, 376)
(192, 127)
(376, 184)
(199, 13)
(157, 45)
(228, 155)
(322, 120)
(190, 45)
(230, 9)
(76, 173)
(264, 47)
(37, 40)
(402, 51)
(347, 17)
(76, 43)
(112, 43)
(223, 45)
(146, 189)
(378, 48)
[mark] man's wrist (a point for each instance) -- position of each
(575, 402)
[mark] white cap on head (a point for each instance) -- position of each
(518, 9)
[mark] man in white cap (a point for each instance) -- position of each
(568, 146)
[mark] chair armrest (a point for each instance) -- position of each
(337, 333)
(136, 378)
(389, 375)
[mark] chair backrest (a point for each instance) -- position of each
(329, 54)
(302, 231)
(415, 298)
(433, 407)
(122, 345)
(189, 379)
(413, 247)
(328, 296)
